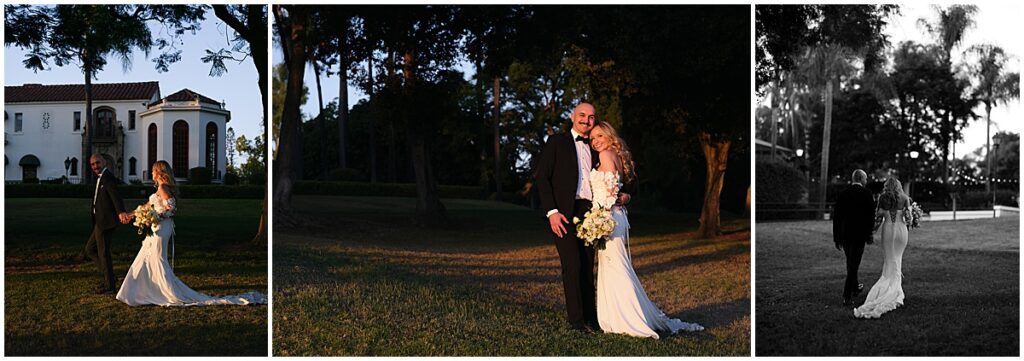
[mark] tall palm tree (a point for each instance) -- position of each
(949, 29)
(994, 86)
(824, 66)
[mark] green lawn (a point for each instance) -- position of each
(961, 281)
(50, 309)
(365, 281)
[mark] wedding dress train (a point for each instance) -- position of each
(622, 303)
(151, 280)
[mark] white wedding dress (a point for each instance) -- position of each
(151, 281)
(622, 304)
(887, 294)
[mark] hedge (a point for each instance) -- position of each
(380, 189)
(779, 182)
(983, 200)
(132, 191)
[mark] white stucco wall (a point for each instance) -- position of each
(58, 142)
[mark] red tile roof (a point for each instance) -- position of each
(76, 92)
(186, 94)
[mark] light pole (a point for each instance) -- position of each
(67, 167)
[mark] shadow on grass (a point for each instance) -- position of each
(960, 280)
(401, 290)
(50, 310)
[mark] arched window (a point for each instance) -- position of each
(74, 166)
(104, 123)
(131, 166)
(180, 149)
(211, 148)
(152, 150)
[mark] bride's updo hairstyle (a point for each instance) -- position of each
(162, 172)
(620, 148)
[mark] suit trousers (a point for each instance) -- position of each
(578, 272)
(98, 249)
(854, 251)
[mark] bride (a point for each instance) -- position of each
(150, 280)
(622, 304)
(887, 294)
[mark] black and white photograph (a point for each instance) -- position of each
(887, 180)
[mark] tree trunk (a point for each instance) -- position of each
(774, 118)
(497, 137)
(321, 123)
(289, 148)
(825, 143)
(716, 156)
(480, 91)
(988, 147)
(89, 130)
(429, 210)
(373, 119)
(393, 144)
(343, 65)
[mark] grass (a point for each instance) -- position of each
(50, 309)
(369, 283)
(961, 281)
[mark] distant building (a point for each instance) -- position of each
(44, 131)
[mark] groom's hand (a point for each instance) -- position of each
(839, 246)
(558, 221)
(125, 217)
(623, 199)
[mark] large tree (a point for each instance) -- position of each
(291, 21)
(249, 22)
(994, 86)
(86, 35)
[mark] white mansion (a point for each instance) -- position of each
(44, 135)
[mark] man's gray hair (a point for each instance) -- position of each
(859, 176)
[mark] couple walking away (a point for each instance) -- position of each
(151, 279)
(854, 223)
(583, 171)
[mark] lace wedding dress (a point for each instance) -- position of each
(151, 280)
(622, 304)
(887, 294)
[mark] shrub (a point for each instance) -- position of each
(983, 200)
(779, 182)
(345, 175)
(380, 189)
(132, 191)
(230, 179)
(198, 175)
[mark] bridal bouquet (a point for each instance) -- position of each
(145, 218)
(595, 226)
(912, 216)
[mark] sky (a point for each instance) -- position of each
(237, 88)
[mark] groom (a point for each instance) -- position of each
(107, 210)
(563, 184)
(852, 224)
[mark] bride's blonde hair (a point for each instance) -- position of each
(162, 173)
(619, 146)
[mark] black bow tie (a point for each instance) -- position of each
(580, 138)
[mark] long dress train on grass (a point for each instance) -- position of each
(622, 303)
(151, 280)
(887, 294)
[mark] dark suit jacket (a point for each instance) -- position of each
(558, 174)
(108, 202)
(853, 216)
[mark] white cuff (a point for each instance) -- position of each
(553, 211)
